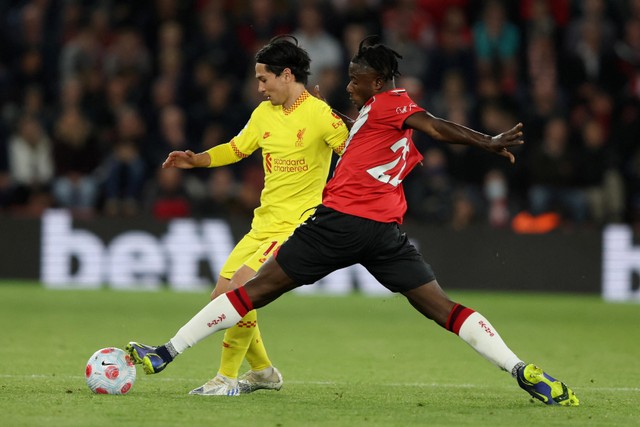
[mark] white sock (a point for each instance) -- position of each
(217, 315)
(479, 334)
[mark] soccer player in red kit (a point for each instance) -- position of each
(359, 221)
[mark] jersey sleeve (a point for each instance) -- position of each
(398, 108)
(336, 132)
(247, 140)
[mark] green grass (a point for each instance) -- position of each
(347, 361)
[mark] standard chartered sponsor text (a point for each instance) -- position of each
(290, 165)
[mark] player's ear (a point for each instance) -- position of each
(288, 75)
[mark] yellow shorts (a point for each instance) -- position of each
(252, 251)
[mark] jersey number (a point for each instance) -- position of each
(380, 172)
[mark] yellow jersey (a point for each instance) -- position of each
(296, 144)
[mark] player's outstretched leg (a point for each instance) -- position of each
(266, 379)
(544, 387)
(152, 359)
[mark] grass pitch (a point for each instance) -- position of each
(347, 361)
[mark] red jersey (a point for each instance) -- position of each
(379, 153)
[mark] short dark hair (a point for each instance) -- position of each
(283, 52)
(381, 58)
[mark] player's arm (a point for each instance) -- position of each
(446, 131)
(220, 155)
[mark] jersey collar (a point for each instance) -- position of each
(303, 96)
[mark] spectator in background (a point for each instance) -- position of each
(80, 54)
(125, 169)
(544, 18)
(351, 35)
(129, 58)
(363, 13)
(264, 20)
(218, 107)
(624, 136)
(496, 192)
(453, 52)
(497, 41)
(166, 197)
(409, 31)
(591, 64)
(429, 193)
(627, 51)
(453, 94)
(322, 47)
(216, 44)
(171, 61)
(597, 164)
(221, 197)
(171, 135)
(164, 93)
(76, 155)
(31, 166)
(34, 105)
(104, 56)
(554, 175)
(595, 15)
(544, 98)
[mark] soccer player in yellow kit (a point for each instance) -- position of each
(297, 133)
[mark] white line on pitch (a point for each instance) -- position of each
(332, 383)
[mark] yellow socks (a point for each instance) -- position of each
(240, 341)
(257, 354)
(236, 343)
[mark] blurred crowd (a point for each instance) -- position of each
(95, 93)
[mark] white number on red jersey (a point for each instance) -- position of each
(380, 172)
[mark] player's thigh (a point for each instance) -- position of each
(245, 259)
(243, 250)
(265, 250)
(395, 262)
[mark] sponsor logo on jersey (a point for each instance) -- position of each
(266, 135)
(273, 164)
(405, 108)
(337, 124)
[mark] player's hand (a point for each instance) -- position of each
(317, 94)
(500, 144)
(346, 119)
(180, 159)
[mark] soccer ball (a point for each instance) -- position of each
(110, 371)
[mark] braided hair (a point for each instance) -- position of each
(283, 52)
(381, 58)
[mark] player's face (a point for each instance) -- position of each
(363, 84)
(270, 86)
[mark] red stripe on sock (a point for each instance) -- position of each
(240, 301)
(456, 318)
(452, 315)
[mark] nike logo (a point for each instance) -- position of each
(107, 364)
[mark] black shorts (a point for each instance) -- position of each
(329, 240)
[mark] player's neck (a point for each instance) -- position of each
(294, 94)
(387, 87)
